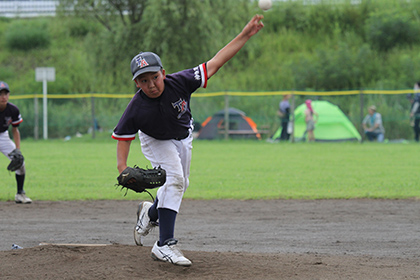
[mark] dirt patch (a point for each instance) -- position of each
(275, 239)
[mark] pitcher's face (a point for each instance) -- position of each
(152, 83)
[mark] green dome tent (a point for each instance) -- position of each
(332, 124)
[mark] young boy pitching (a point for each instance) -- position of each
(160, 113)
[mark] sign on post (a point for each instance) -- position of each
(44, 74)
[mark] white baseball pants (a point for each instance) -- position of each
(175, 157)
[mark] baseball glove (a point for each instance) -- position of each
(139, 179)
(16, 162)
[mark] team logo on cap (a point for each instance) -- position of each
(141, 62)
(2, 85)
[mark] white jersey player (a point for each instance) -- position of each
(10, 115)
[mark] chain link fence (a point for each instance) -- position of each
(72, 114)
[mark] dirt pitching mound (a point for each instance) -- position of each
(275, 239)
(132, 262)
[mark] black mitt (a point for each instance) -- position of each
(16, 162)
(139, 179)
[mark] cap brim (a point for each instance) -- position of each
(147, 70)
(5, 89)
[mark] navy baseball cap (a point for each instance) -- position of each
(145, 62)
(4, 86)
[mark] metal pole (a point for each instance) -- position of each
(36, 118)
(361, 116)
(226, 116)
(45, 110)
(93, 117)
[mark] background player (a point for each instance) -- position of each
(415, 111)
(160, 112)
(9, 115)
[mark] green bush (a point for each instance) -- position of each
(78, 28)
(26, 36)
(6, 73)
(331, 45)
(385, 30)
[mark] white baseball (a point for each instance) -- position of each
(264, 4)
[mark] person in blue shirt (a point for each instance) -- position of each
(372, 125)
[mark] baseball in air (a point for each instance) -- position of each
(265, 5)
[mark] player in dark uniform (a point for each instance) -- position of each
(9, 115)
(160, 113)
(415, 111)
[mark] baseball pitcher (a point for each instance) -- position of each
(161, 115)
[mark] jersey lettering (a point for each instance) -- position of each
(181, 105)
(8, 121)
(197, 75)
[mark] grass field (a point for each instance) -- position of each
(85, 169)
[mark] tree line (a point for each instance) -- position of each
(331, 45)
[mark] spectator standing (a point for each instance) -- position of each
(311, 117)
(415, 111)
(284, 114)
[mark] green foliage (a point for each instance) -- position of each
(108, 13)
(316, 19)
(80, 27)
(25, 36)
(298, 41)
(387, 29)
(291, 15)
(337, 68)
(189, 32)
(6, 73)
(331, 45)
(224, 170)
(108, 61)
